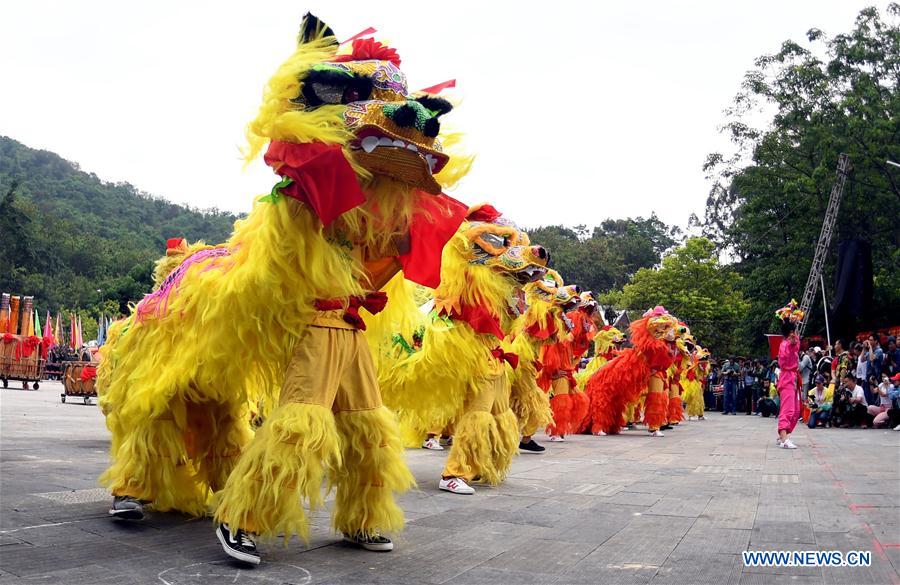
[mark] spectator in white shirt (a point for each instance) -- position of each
(880, 412)
(857, 413)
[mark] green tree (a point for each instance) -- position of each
(768, 197)
(608, 255)
(693, 285)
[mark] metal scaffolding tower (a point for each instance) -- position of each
(815, 272)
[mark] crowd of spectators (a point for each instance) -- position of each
(852, 385)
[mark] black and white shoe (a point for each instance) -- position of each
(373, 542)
(127, 508)
(239, 544)
(531, 447)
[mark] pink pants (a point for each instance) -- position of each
(790, 403)
(880, 413)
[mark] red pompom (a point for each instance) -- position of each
(365, 49)
(484, 212)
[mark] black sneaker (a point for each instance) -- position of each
(666, 427)
(373, 542)
(127, 508)
(239, 544)
(531, 446)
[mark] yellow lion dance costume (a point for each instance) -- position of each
(536, 327)
(692, 383)
(460, 374)
(362, 169)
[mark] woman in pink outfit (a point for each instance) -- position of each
(788, 361)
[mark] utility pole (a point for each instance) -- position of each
(815, 272)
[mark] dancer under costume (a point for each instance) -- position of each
(692, 383)
(558, 369)
(788, 362)
(461, 373)
(637, 370)
(685, 346)
(287, 289)
(536, 327)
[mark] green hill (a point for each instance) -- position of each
(65, 233)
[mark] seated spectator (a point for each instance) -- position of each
(894, 396)
(857, 413)
(819, 408)
(882, 393)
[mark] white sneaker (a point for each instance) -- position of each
(456, 485)
(787, 444)
(433, 444)
(600, 434)
(657, 433)
(557, 439)
(778, 441)
(897, 428)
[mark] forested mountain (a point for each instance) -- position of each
(65, 233)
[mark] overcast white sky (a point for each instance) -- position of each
(577, 110)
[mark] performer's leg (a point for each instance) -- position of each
(474, 436)
(563, 409)
(507, 439)
(372, 467)
(150, 463)
(580, 406)
(288, 457)
(217, 434)
(656, 405)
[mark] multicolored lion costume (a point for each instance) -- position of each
(536, 327)
(361, 168)
(636, 370)
(692, 382)
(460, 374)
(557, 375)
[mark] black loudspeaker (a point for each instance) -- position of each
(853, 288)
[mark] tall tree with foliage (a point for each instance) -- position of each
(693, 285)
(607, 256)
(830, 95)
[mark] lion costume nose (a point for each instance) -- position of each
(412, 114)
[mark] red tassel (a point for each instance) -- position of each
(562, 408)
(436, 89)
(656, 410)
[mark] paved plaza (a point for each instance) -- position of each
(625, 509)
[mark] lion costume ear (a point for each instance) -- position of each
(312, 29)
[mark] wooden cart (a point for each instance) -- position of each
(15, 366)
(79, 380)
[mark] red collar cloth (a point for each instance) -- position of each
(508, 357)
(480, 320)
(436, 219)
(541, 332)
(373, 302)
(320, 177)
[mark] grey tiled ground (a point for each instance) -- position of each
(626, 509)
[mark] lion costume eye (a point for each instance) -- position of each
(326, 85)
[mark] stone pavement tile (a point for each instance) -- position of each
(483, 575)
(647, 540)
(632, 498)
(88, 574)
(699, 569)
(792, 511)
(27, 561)
(539, 515)
(499, 537)
(704, 537)
(726, 512)
(598, 527)
(687, 507)
(611, 574)
(765, 531)
(833, 516)
(880, 571)
(541, 556)
(437, 561)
